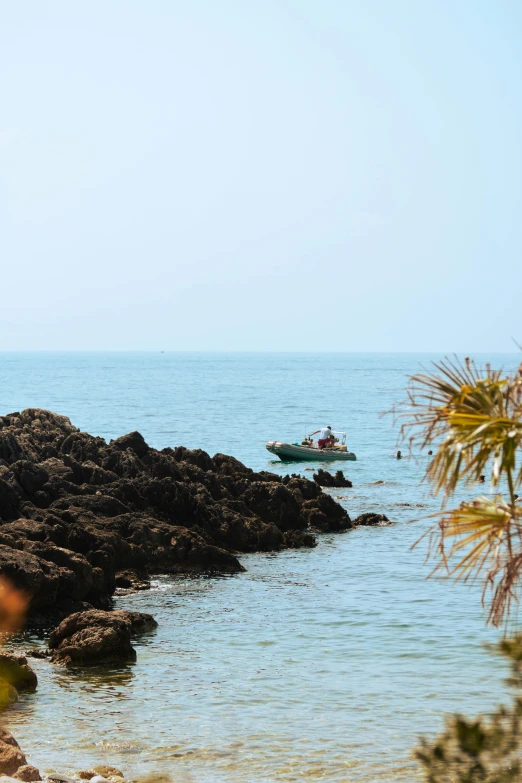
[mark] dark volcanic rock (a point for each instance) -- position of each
(302, 488)
(134, 441)
(295, 539)
(10, 501)
(98, 504)
(30, 477)
(96, 636)
(187, 548)
(38, 579)
(196, 457)
(371, 519)
(10, 449)
(78, 515)
(324, 514)
(273, 503)
(131, 579)
(325, 479)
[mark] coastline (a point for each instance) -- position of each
(82, 518)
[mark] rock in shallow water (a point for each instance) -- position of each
(27, 773)
(101, 770)
(96, 636)
(13, 761)
(16, 671)
(371, 519)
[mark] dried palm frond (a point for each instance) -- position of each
(486, 536)
(473, 419)
(473, 416)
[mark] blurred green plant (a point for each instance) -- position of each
(480, 750)
(472, 418)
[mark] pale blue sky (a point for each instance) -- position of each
(261, 174)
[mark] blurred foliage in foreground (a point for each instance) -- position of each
(13, 606)
(481, 750)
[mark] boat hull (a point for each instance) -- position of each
(289, 452)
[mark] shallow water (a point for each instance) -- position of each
(321, 664)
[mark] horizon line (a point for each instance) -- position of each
(248, 351)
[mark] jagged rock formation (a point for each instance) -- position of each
(326, 479)
(76, 512)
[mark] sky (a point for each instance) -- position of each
(295, 175)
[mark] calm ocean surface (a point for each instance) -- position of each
(312, 665)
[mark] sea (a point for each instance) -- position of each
(313, 665)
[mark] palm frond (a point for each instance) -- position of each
(484, 536)
(474, 417)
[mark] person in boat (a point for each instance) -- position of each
(326, 437)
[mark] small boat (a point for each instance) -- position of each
(307, 451)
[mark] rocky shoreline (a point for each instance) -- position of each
(80, 517)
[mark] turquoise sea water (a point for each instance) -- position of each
(321, 664)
